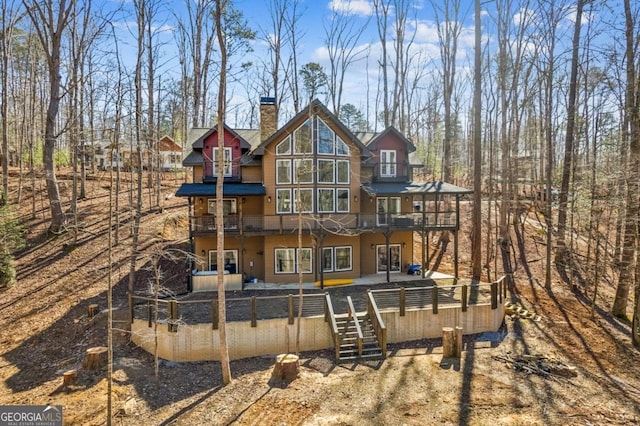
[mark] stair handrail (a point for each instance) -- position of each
(376, 321)
(330, 317)
(351, 311)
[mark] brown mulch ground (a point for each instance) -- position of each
(45, 331)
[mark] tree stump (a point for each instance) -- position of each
(69, 378)
(287, 367)
(95, 358)
(452, 342)
(448, 342)
(92, 310)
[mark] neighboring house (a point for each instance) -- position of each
(170, 154)
(358, 206)
(110, 157)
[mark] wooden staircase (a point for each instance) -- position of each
(355, 335)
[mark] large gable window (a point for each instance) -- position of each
(283, 171)
(341, 147)
(302, 139)
(302, 171)
(325, 139)
(342, 171)
(342, 200)
(284, 147)
(325, 200)
(283, 199)
(303, 200)
(325, 171)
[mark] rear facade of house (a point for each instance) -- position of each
(352, 196)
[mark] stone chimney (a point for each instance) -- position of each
(268, 118)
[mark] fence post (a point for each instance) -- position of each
(290, 303)
(465, 290)
(403, 299)
(173, 316)
(254, 320)
(494, 295)
(434, 299)
(215, 314)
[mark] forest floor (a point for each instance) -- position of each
(45, 331)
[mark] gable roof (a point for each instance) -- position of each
(200, 134)
(315, 107)
(395, 132)
(166, 143)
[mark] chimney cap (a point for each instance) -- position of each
(267, 100)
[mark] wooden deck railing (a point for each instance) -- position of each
(378, 324)
(353, 316)
(284, 223)
(330, 317)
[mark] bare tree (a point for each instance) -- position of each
(342, 38)
(219, 14)
(50, 19)
(9, 17)
(631, 215)
(476, 233)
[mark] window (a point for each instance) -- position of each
(289, 261)
(393, 259)
(227, 161)
(284, 147)
(325, 138)
(302, 171)
(342, 200)
(325, 171)
(304, 199)
(343, 258)
(283, 201)
(341, 147)
(387, 163)
(285, 261)
(325, 200)
(342, 171)
(387, 206)
(230, 261)
(283, 171)
(304, 260)
(327, 259)
(302, 139)
(229, 211)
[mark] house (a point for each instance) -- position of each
(352, 196)
(170, 154)
(124, 156)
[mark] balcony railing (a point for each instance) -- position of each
(391, 172)
(337, 222)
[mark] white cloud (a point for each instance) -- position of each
(352, 7)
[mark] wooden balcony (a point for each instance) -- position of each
(391, 172)
(332, 223)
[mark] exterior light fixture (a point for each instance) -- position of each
(269, 199)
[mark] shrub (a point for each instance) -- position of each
(11, 239)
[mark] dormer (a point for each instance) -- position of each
(390, 157)
(205, 149)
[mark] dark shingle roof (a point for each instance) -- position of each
(208, 189)
(414, 188)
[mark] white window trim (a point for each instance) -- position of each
(333, 138)
(296, 260)
(348, 200)
(340, 141)
(388, 163)
(228, 163)
(213, 253)
(330, 269)
(287, 140)
(211, 202)
(285, 190)
(311, 142)
(275, 261)
(296, 165)
(294, 200)
(278, 182)
(333, 197)
(333, 170)
(348, 163)
(335, 260)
